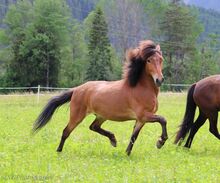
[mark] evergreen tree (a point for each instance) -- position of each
(209, 57)
(37, 33)
(99, 49)
(74, 62)
(45, 39)
(17, 19)
(180, 30)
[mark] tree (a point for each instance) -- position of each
(99, 49)
(17, 20)
(46, 38)
(209, 57)
(127, 23)
(74, 62)
(206, 61)
(180, 32)
(37, 32)
(154, 10)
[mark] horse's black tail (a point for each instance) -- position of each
(50, 108)
(188, 117)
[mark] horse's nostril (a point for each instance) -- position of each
(159, 82)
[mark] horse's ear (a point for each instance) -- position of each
(158, 49)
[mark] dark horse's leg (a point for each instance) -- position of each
(213, 119)
(96, 126)
(136, 130)
(66, 132)
(75, 118)
(149, 118)
(198, 123)
(156, 118)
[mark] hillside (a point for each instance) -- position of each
(210, 4)
(55, 42)
(4, 6)
(81, 8)
(210, 20)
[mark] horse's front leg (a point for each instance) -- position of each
(149, 117)
(136, 130)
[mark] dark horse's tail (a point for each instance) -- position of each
(50, 108)
(188, 117)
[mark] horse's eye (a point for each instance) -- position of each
(148, 60)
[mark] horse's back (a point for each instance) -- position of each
(85, 91)
(103, 98)
(207, 93)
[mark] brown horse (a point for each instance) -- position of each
(132, 98)
(206, 95)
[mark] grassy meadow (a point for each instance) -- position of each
(89, 157)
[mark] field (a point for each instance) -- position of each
(89, 157)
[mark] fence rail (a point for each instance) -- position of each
(181, 85)
(56, 88)
(37, 90)
(35, 87)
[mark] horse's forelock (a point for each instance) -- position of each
(144, 50)
(147, 49)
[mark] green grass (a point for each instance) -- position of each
(89, 157)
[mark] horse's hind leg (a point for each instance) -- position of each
(76, 117)
(198, 123)
(96, 126)
(213, 119)
(66, 132)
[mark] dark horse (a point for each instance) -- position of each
(132, 98)
(206, 95)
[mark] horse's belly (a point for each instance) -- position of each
(111, 104)
(113, 113)
(119, 116)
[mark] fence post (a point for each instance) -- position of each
(38, 93)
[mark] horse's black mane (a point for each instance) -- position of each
(137, 61)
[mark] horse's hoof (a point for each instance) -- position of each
(113, 143)
(160, 144)
(128, 152)
(187, 146)
(59, 150)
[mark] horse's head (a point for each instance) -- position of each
(153, 59)
(147, 59)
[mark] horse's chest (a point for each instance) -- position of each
(149, 103)
(153, 105)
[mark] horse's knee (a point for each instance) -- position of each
(163, 121)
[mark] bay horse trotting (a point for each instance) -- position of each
(132, 98)
(206, 95)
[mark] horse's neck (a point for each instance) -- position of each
(147, 82)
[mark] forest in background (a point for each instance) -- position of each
(210, 4)
(65, 43)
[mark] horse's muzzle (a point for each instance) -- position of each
(159, 82)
